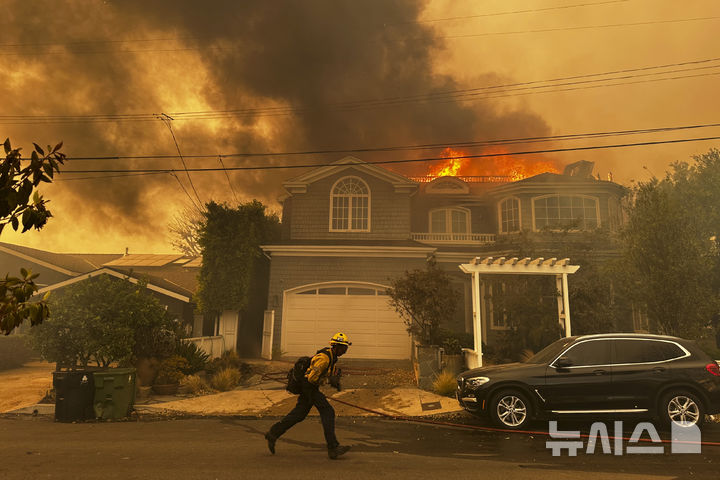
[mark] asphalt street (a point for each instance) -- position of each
(233, 447)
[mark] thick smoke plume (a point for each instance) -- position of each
(135, 57)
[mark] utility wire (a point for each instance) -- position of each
(586, 27)
(514, 12)
(166, 119)
(415, 160)
(228, 179)
(491, 91)
(425, 146)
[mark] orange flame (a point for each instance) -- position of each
(451, 167)
(516, 168)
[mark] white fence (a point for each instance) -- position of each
(213, 346)
(468, 238)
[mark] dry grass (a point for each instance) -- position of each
(226, 379)
(445, 384)
(195, 384)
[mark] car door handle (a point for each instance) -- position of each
(659, 369)
(599, 371)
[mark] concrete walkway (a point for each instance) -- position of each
(387, 391)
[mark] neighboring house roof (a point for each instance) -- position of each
(66, 263)
(155, 284)
(174, 275)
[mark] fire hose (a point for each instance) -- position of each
(269, 376)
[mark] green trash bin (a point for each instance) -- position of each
(114, 393)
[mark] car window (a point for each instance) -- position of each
(594, 352)
(645, 350)
(549, 353)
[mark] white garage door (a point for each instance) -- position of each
(313, 315)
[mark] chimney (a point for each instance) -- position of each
(126, 251)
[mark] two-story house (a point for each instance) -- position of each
(351, 227)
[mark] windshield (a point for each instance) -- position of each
(551, 351)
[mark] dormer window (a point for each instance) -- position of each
(450, 220)
(350, 206)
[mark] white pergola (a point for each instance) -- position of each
(515, 266)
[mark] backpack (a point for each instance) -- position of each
(296, 375)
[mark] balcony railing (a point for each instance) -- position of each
(456, 238)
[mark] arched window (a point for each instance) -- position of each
(350, 206)
(450, 220)
(509, 215)
(562, 211)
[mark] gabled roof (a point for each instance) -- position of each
(66, 263)
(155, 284)
(169, 273)
(547, 181)
(299, 184)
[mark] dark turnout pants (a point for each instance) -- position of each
(310, 396)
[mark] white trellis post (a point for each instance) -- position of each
(514, 266)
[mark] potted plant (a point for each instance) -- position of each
(169, 375)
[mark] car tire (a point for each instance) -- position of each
(682, 408)
(510, 409)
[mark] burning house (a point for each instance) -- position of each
(350, 227)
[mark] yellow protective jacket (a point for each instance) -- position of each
(322, 365)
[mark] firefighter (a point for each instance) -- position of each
(322, 368)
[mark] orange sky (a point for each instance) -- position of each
(184, 62)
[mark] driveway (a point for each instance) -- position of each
(25, 386)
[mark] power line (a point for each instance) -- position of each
(476, 93)
(228, 179)
(166, 119)
(586, 27)
(415, 160)
(513, 12)
(426, 146)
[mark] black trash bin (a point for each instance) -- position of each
(74, 393)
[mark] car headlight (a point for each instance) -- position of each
(475, 382)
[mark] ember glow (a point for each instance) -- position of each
(502, 165)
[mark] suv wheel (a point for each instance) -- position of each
(681, 408)
(510, 409)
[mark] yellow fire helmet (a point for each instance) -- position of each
(340, 339)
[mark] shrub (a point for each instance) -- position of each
(195, 384)
(226, 379)
(171, 370)
(196, 358)
(14, 352)
(445, 384)
(229, 359)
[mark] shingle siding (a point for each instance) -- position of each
(389, 211)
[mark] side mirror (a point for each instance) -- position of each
(563, 362)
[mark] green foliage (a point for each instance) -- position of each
(172, 370)
(196, 358)
(226, 379)
(14, 352)
(102, 320)
(230, 240)
(15, 302)
(454, 342)
(671, 249)
(424, 299)
(20, 203)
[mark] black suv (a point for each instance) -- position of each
(666, 377)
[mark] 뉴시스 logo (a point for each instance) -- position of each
(684, 439)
